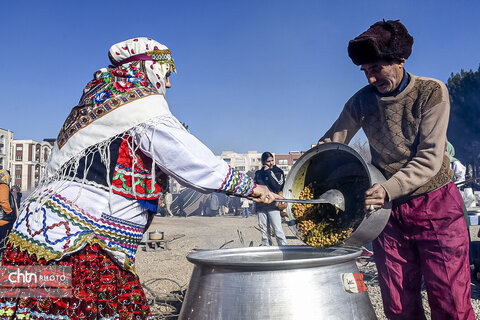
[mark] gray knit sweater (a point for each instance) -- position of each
(406, 133)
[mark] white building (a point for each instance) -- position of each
(250, 161)
(6, 149)
(28, 160)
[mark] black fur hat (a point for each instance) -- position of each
(385, 40)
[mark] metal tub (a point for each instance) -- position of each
(290, 282)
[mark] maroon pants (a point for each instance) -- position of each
(426, 236)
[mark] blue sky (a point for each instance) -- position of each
(252, 75)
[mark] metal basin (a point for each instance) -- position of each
(337, 166)
(290, 282)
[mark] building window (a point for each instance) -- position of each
(19, 147)
(18, 176)
(19, 158)
(283, 161)
(240, 160)
(227, 160)
(284, 168)
(240, 168)
(18, 167)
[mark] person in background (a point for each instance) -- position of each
(17, 194)
(223, 199)
(168, 202)
(458, 168)
(405, 119)
(102, 183)
(212, 205)
(8, 212)
(269, 214)
(245, 207)
(237, 206)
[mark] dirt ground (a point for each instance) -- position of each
(165, 274)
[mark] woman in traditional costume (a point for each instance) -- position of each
(102, 184)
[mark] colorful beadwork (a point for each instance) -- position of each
(101, 290)
(133, 179)
(107, 92)
(79, 227)
(238, 182)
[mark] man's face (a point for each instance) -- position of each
(384, 76)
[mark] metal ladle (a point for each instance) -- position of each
(332, 196)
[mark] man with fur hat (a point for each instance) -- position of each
(405, 119)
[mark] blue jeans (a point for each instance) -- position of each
(245, 213)
(271, 218)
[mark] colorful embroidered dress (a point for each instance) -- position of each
(105, 170)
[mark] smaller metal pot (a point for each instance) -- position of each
(155, 235)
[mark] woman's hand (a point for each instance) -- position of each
(264, 195)
(375, 198)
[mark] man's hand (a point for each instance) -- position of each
(281, 205)
(323, 141)
(374, 198)
(264, 195)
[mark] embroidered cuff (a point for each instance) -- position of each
(238, 183)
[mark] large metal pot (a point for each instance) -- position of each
(290, 282)
(337, 166)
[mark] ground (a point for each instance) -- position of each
(165, 274)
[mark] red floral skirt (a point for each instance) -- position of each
(101, 290)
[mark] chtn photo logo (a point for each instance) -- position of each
(36, 281)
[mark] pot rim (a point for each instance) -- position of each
(220, 257)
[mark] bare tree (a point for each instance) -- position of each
(363, 149)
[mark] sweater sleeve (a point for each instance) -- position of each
(431, 149)
(4, 202)
(181, 155)
(344, 128)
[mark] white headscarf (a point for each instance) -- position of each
(83, 129)
(158, 58)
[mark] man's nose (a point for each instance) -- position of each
(371, 79)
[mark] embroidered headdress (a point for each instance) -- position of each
(158, 58)
(110, 104)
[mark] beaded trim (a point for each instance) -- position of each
(238, 183)
(109, 232)
(163, 56)
(97, 111)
